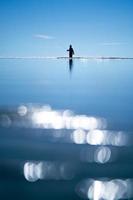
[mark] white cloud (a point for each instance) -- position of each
(44, 37)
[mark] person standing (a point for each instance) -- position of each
(71, 51)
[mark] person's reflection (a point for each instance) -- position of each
(70, 64)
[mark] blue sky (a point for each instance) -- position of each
(47, 27)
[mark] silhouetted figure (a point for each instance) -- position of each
(71, 51)
(70, 64)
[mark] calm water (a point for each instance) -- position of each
(66, 129)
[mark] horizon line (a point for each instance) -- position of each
(64, 57)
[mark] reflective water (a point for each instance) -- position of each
(66, 129)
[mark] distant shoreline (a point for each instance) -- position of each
(76, 57)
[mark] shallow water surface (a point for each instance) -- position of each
(66, 129)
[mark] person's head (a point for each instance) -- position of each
(70, 46)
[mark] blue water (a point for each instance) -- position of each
(102, 89)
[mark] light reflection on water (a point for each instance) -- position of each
(34, 171)
(81, 129)
(22, 110)
(102, 155)
(46, 153)
(45, 117)
(88, 133)
(95, 189)
(108, 189)
(98, 154)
